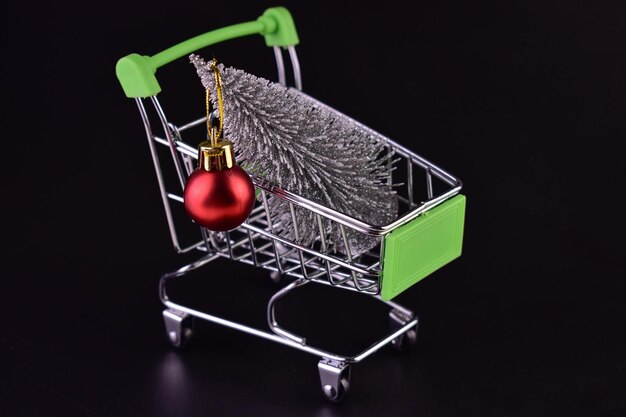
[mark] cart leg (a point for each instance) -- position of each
(406, 340)
(335, 379)
(178, 327)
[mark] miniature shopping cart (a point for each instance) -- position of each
(426, 235)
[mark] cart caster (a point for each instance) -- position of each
(335, 379)
(406, 340)
(178, 327)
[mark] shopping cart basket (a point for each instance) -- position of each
(426, 235)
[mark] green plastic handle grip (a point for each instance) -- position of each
(137, 73)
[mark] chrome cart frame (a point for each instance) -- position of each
(255, 242)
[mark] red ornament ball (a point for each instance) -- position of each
(219, 200)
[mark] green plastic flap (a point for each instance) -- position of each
(422, 246)
(137, 73)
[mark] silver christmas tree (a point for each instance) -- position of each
(304, 147)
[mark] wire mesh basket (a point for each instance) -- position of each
(426, 234)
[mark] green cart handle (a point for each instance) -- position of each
(136, 73)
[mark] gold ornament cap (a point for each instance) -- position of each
(216, 155)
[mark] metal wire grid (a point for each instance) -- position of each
(256, 243)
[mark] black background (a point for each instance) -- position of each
(523, 100)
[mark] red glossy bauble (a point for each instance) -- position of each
(219, 200)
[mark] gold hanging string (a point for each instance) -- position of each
(214, 136)
(209, 128)
(220, 96)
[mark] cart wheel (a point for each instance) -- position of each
(405, 341)
(337, 396)
(335, 379)
(178, 327)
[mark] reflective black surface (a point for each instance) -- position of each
(523, 101)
